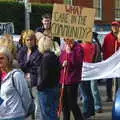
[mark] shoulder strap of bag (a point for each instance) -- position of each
(13, 82)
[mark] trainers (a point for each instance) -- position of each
(91, 118)
(100, 110)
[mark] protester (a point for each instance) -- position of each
(118, 47)
(71, 60)
(48, 80)
(92, 100)
(7, 40)
(20, 42)
(54, 47)
(97, 42)
(94, 83)
(12, 86)
(39, 35)
(46, 27)
(29, 60)
(88, 101)
(108, 49)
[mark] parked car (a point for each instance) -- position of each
(116, 107)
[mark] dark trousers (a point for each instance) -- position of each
(109, 88)
(70, 103)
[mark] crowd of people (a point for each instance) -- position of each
(39, 71)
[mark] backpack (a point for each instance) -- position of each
(31, 108)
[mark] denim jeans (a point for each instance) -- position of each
(36, 101)
(18, 118)
(88, 101)
(48, 100)
(96, 95)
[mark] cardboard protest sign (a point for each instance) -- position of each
(72, 22)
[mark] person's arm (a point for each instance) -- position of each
(34, 61)
(24, 64)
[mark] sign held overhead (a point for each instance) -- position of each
(73, 22)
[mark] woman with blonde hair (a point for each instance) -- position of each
(29, 56)
(54, 46)
(29, 60)
(44, 44)
(48, 80)
(7, 41)
(13, 89)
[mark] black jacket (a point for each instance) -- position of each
(48, 72)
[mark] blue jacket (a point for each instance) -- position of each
(32, 64)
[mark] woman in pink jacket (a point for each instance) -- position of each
(71, 60)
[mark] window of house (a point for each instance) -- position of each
(68, 2)
(117, 9)
(97, 4)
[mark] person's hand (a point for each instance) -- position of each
(68, 49)
(65, 63)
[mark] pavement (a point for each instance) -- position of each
(107, 107)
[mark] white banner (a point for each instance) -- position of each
(109, 68)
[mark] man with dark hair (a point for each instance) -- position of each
(46, 27)
(109, 48)
(46, 23)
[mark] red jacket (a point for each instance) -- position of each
(89, 51)
(74, 67)
(108, 47)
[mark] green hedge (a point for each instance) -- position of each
(11, 11)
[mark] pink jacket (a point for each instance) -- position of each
(74, 67)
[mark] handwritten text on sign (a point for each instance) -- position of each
(72, 22)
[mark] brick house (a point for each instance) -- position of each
(47, 1)
(106, 10)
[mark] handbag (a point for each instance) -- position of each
(31, 108)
